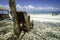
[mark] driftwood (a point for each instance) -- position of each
(3, 15)
(20, 19)
(24, 21)
(14, 15)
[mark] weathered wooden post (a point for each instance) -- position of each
(14, 15)
(0, 16)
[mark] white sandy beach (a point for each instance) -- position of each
(47, 28)
(45, 17)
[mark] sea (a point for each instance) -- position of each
(35, 12)
(43, 12)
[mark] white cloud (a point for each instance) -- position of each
(30, 7)
(2, 7)
(49, 8)
(5, 7)
(24, 8)
(18, 6)
(39, 8)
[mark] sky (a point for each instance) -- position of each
(39, 5)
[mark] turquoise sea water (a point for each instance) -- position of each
(35, 12)
(4, 12)
(43, 12)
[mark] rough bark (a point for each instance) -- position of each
(14, 15)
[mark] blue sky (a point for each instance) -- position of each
(54, 3)
(34, 4)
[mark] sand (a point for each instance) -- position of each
(46, 27)
(45, 17)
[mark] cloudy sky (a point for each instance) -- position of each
(39, 5)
